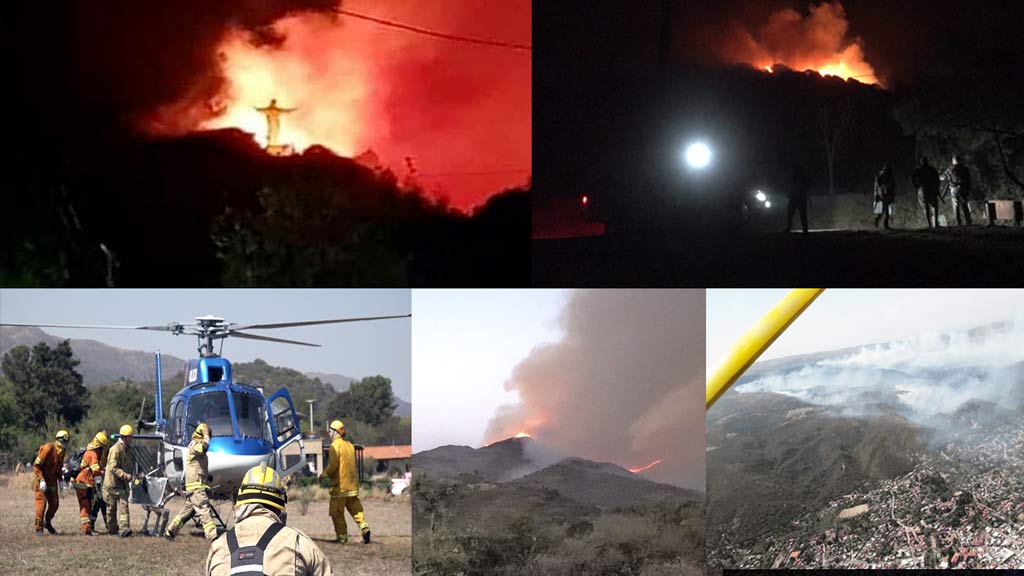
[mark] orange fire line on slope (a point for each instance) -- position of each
(642, 468)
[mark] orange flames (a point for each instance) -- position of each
(523, 435)
(816, 41)
(461, 113)
(642, 468)
(329, 94)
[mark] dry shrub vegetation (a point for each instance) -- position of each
(647, 541)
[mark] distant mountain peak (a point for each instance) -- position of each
(100, 363)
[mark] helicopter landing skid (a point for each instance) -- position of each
(222, 526)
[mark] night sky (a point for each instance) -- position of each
(899, 38)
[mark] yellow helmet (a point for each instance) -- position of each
(63, 436)
(337, 426)
(100, 439)
(262, 485)
(199, 431)
(127, 430)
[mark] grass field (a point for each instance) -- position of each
(71, 553)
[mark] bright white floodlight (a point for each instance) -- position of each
(698, 155)
(767, 204)
(760, 196)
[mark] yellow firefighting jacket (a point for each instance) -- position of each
(341, 468)
(196, 462)
(119, 464)
(48, 463)
(290, 552)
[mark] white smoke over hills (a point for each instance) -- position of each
(919, 377)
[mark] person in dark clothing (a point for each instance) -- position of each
(960, 189)
(926, 179)
(885, 194)
(797, 199)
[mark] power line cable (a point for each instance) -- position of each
(432, 33)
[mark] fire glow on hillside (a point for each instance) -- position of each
(460, 113)
(578, 396)
(817, 41)
(642, 468)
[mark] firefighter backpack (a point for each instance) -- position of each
(249, 559)
(75, 464)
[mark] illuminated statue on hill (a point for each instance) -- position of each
(273, 114)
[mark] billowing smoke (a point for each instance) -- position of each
(624, 385)
(921, 377)
(815, 41)
(460, 111)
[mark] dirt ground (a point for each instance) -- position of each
(964, 257)
(69, 552)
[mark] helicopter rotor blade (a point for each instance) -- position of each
(166, 327)
(269, 339)
(315, 322)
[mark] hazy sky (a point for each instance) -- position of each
(356, 349)
(850, 317)
(465, 345)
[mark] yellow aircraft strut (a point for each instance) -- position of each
(756, 340)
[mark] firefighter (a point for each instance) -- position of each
(798, 199)
(959, 177)
(341, 471)
(99, 506)
(197, 492)
(47, 468)
(259, 542)
(87, 480)
(885, 194)
(926, 180)
(117, 483)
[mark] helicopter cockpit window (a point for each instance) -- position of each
(284, 423)
(212, 408)
(249, 412)
(174, 422)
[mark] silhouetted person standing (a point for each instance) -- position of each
(797, 198)
(885, 194)
(960, 189)
(926, 179)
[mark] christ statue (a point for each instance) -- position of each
(273, 114)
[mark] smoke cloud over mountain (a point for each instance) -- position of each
(623, 385)
(932, 374)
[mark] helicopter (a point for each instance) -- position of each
(247, 427)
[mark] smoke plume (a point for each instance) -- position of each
(929, 375)
(816, 41)
(460, 111)
(623, 385)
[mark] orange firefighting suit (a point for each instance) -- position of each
(47, 468)
(85, 486)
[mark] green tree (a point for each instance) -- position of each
(370, 401)
(11, 422)
(112, 405)
(45, 383)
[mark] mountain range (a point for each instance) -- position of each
(518, 507)
(522, 463)
(103, 364)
